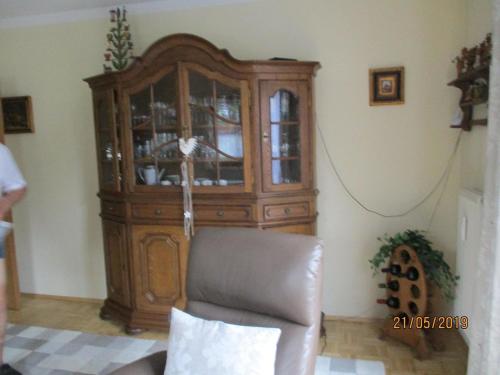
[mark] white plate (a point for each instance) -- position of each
(5, 228)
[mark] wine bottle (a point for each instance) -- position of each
(394, 269)
(392, 285)
(413, 308)
(415, 291)
(403, 316)
(392, 302)
(412, 274)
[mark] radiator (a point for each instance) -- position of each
(468, 242)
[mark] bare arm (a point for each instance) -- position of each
(9, 200)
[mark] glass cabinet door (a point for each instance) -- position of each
(108, 152)
(218, 120)
(154, 125)
(285, 137)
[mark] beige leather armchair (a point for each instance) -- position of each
(256, 278)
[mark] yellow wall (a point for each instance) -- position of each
(389, 156)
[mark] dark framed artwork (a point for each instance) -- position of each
(387, 86)
(17, 115)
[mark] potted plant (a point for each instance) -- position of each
(437, 271)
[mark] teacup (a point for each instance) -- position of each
(174, 178)
(207, 182)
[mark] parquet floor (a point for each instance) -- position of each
(360, 340)
(345, 339)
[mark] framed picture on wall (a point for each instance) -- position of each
(387, 86)
(17, 114)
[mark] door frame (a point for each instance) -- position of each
(13, 292)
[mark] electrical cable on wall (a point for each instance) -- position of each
(444, 177)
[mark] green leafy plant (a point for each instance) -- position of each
(435, 267)
(119, 51)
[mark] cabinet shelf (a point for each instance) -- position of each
(287, 158)
(211, 111)
(210, 126)
(143, 125)
(239, 160)
(160, 161)
(170, 128)
(150, 160)
(285, 123)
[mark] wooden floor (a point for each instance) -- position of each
(349, 339)
(345, 339)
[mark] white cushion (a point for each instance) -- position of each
(204, 347)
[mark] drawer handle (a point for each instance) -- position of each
(220, 213)
(110, 208)
(158, 211)
(287, 211)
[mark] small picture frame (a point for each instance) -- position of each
(387, 86)
(17, 115)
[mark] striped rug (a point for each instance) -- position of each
(44, 351)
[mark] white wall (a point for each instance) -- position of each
(473, 155)
(389, 156)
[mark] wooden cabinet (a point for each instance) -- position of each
(254, 167)
(286, 135)
(106, 140)
(159, 255)
(115, 256)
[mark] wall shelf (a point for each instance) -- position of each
(473, 76)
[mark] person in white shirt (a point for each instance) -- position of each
(12, 190)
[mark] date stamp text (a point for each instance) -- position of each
(431, 322)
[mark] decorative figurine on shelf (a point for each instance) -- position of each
(478, 91)
(485, 51)
(460, 64)
(461, 61)
(471, 58)
(120, 45)
(474, 58)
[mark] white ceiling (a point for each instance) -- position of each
(23, 8)
(14, 13)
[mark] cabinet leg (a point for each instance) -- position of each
(129, 330)
(104, 315)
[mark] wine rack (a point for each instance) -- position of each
(407, 300)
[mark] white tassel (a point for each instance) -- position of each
(187, 197)
(187, 147)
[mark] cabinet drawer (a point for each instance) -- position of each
(223, 213)
(113, 208)
(157, 211)
(286, 211)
